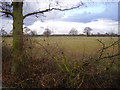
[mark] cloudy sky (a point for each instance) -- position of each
(100, 16)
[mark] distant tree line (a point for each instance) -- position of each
(47, 32)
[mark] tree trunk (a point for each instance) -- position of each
(87, 33)
(17, 37)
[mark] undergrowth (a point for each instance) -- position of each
(49, 66)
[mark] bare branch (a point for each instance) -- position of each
(101, 43)
(37, 12)
(113, 44)
(103, 48)
(50, 9)
(107, 47)
(115, 55)
(8, 13)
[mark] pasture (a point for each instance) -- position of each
(74, 44)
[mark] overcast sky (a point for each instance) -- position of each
(100, 16)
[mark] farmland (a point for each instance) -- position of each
(71, 56)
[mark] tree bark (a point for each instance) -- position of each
(17, 37)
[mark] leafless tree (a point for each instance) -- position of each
(3, 32)
(87, 31)
(33, 33)
(73, 31)
(47, 32)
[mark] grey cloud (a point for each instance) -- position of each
(53, 15)
(88, 17)
(110, 12)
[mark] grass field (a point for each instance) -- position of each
(76, 44)
(66, 62)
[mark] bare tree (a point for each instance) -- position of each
(47, 32)
(87, 31)
(14, 9)
(33, 33)
(73, 31)
(27, 31)
(3, 32)
(11, 32)
(98, 33)
(107, 34)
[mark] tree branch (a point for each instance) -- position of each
(29, 14)
(50, 9)
(115, 55)
(7, 13)
(107, 47)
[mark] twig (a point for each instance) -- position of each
(23, 81)
(115, 55)
(81, 82)
(96, 81)
(106, 47)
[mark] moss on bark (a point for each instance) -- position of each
(17, 37)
